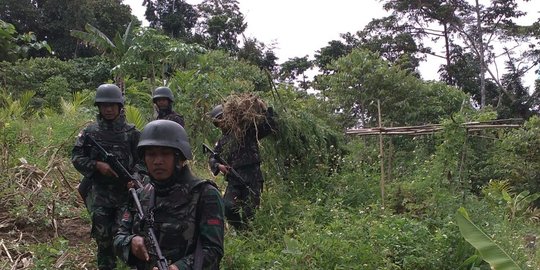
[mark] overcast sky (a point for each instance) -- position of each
(301, 27)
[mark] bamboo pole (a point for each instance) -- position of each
(381, 152)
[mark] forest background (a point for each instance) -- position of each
(331, 200)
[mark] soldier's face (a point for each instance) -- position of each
(109, 111)
(160, 162)
(162, 103)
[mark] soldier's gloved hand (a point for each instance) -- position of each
(138, 248)
(223, 169)
(105, 169)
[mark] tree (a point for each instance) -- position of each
(420, 15)
(177, 18)
(362, 77)
(334, 50)
(14, 46)
(393, 41)
(523, 104)
(294, 68)
(23, 14)
(221, 24)
(475, 25)
(257, 53)
(51, 20)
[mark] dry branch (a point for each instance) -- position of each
(6, 250)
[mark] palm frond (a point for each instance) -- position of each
(80, 97)
(133, 115)
(68, 108)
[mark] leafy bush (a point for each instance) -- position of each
(517, 158)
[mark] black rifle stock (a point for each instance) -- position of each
(115, 164)
(149, 227)
(207, 149)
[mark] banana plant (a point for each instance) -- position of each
(114, 48)
(520, 202)
(490, 252)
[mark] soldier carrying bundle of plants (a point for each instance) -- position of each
(243, 120)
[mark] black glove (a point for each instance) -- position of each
(269, 112)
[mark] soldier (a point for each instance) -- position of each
(103, 192)
(243, 195)
(185, 211)
(163, 99)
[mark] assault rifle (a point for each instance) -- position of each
(207, 149)
(149, 227)
(112, 160)
(115, 164)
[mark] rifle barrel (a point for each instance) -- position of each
(161, 260)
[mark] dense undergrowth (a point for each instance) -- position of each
(322, 205)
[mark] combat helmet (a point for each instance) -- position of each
(216, 112)
(163, 92)
(164, 133)
(109, 93)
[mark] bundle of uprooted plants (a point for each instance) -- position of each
(242, 112)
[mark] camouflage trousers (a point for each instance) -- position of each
(104, 226)
(241, 201)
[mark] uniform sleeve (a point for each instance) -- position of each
(179, 119)
(80, 158)
(211, 232)
(122, 239)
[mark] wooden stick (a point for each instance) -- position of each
(65, 179)
(7, 251)
(14, 266)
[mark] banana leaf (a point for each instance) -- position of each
(488, 249)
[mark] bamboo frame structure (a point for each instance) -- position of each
(432, 128)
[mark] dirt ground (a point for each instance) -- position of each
(16, 240)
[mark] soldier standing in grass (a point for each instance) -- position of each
(105, 195)
(241, 153)
(185, 211)
(163, 99)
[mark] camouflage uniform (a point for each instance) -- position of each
(184, 207)
(241, 200)
(166, 113)
(169, 114)
(108, 195)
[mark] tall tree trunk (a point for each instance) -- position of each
(480, 44)
(447, 48)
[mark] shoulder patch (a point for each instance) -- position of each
(213, 222)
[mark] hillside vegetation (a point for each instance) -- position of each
(322, 206)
